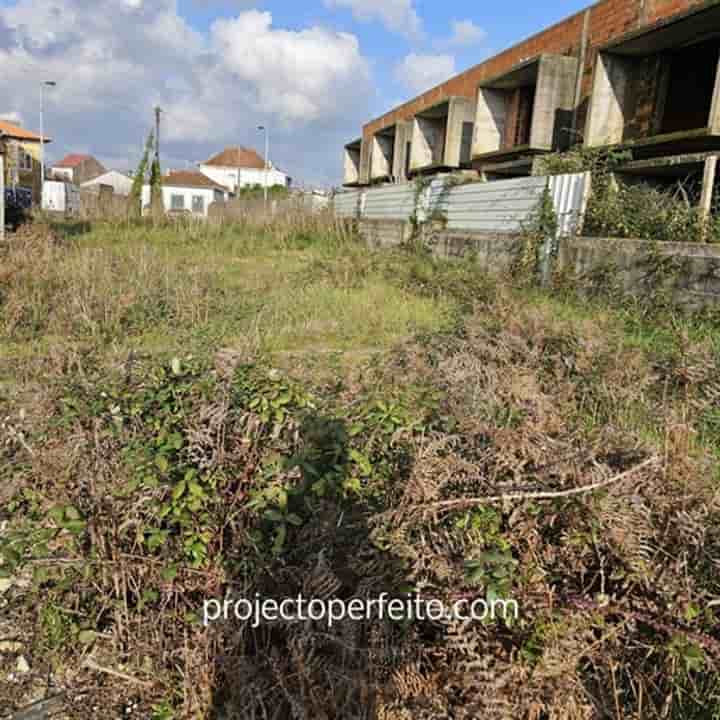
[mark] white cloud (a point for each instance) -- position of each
(466, 32)
(300, 75)
(419, 73)
(397, 15)
(114, 60)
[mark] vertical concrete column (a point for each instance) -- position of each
(715, 108)
(365, 155)
(490, 121)
(708, 185)
(606, 116)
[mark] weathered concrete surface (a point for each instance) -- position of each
(554, 100)
(382, 160)
(403, 142)
(606, 119)
(552, 80)
(384, 233)
(442, 136)
(351, 165)
(691, 275)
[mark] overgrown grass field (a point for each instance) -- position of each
(197, 412)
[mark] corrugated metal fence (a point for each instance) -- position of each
(502, 206)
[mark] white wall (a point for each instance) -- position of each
(208, 194)
(243, 177)
(66, 173)
(121, 184)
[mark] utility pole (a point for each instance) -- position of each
(2, 189)
(43, 85)
(267, 162)
(158, 110)
(156, 200)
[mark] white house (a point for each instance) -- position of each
(121, 184)
(238, 167)
(188, 191)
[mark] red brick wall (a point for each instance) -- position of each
(608, 19)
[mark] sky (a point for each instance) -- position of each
(312, 71)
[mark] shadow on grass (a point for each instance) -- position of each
(301, 667)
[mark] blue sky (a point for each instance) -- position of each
(313, 71)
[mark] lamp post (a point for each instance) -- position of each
(43, 85)
(264, 129)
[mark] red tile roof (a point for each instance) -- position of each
(18, 133)
(190, 178)
(72, 161)
(237, 157)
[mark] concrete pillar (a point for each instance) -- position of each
(606, 115)
(382, 156)
(365, 153)
(715, 108)
(490, 120)
(708, 185)
(553, 107)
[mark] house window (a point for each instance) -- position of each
(25, 161)
(177, 202)
(198, 204)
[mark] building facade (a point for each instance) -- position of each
(188, 192)
(636, 74)
(22, 158)
(77, 169)
(239, 167)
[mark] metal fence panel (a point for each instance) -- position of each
(391, 202)
(502, 206)
(347, 204)
(569, 194)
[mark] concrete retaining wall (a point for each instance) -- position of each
(690, 271)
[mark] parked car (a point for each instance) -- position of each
(18, 202)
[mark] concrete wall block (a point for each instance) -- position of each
(606, 116)
(490, 120)
(554, 101)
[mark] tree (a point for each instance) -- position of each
(139, 177)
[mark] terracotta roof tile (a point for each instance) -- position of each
(237, 157)
(190, 178)
(72, 160)
(14, 131)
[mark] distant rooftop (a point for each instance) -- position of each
(72, 160)
(190, 178)
(18, 133)
(237, 157)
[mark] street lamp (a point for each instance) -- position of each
(264, 129)
(43, 85)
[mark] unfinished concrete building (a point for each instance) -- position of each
(390, 153)
(442, 136)
(524, 112)
(641, 74)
